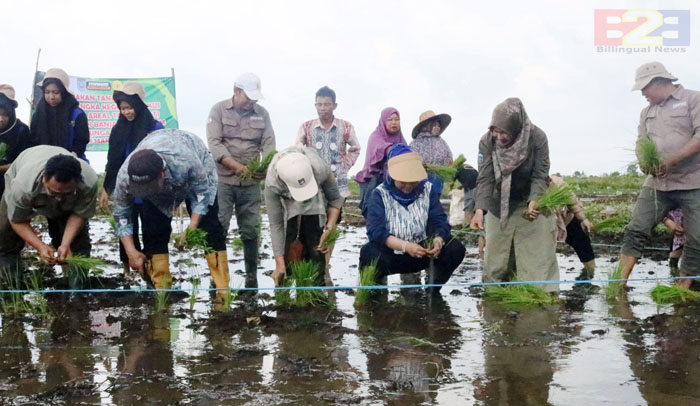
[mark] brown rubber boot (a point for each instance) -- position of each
(218, 268)
(159, 271)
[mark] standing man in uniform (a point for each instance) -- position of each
(334, 140)
(238, 130)
(672, 121)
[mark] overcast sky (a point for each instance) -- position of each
(452, 57)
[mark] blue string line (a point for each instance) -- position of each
(372, 287)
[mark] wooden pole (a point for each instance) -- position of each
(36, 69)
(172, 73)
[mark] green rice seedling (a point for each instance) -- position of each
(446, 173)
(519, 295)
(237, 243)
(614, 288)
(556, 196)
(459, 162)
(257, 166)
(368, 277)
(331, 237)
(161, 301)
(306, 274)
(283, 297)
(113, 223)
(195, 281)
(648, 155)
(197, 238)
(428, 242)
(230, 297)
(78, 267)
(663, 294)
(37, 302)
(414, 341)
(3, 151)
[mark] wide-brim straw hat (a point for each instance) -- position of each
(429, 116)
(57, 73)
(407, 168)
(648, 72)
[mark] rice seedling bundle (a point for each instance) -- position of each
(197, 238)
(459, 162)
(614, 288)
(85, 263)
(556, 196)
(428, 242)
(648, 155)
(306, 274)
(368, 277)
(257, 166)
(446, 173)
(519, 295)
(663, 294)
(331, 237)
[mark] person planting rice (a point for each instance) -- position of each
(134, 123)
(48, 181)
(513, 171)
(239, 131)
(303, 203)
(168, 167)
(14, 134)
(672, 122)
(401, 214)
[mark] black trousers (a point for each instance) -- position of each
(579, 241)
(157, 228)
(388, 262)
(81, 243)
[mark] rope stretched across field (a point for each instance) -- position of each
(371, 287)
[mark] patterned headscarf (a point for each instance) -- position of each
(510, 116)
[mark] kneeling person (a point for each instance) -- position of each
(401, 214)
(169, 167)
(303, 203)
(49, 181)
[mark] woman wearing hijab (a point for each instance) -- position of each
(13, 133)
(58, 119)
(402, 213)
(387, 133)
(513, 171)
(134, 123)
(430, 146)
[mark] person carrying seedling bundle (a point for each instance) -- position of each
(335, 142)
(303, 203)
(168, 167)
(672, 122)
(14, 134)
(403, 214)
(134, 123)
(239, 131)
(513, 170)
(573, 228)
(48, 181)
(432, 148)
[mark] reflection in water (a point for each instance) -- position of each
(519, 363)
(415, 342)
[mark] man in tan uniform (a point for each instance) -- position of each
(238, 129)
(672, 121)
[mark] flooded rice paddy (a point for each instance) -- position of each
(104, 349)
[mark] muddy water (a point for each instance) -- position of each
(409, 350)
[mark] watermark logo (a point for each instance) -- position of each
(641, 30)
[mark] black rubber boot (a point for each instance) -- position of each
(250, 258)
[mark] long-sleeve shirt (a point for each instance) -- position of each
(190, 174)
(241, 136)
(338, 146)
(280, 205)
(671, 124)
(528, 181)
(26, 196)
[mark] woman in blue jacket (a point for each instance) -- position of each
(402, 215)
(13, 132)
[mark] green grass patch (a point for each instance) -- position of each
(519, 295)
(257, 165)
(367, 277)
(674, 294)
(606, 185)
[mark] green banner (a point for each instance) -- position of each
(95, 98)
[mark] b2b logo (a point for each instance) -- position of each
(642, 27)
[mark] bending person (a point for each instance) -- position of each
(401, 214)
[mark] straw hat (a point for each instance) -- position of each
(9, 92)
(429, 116)
(133, 88)
(57, 73)
(648, 72)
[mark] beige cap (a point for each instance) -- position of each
(9, 92)
(407, 168)
(649, 71)
(294, 169)
(57, 73)
(133, 88)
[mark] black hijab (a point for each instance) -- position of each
(49, 124)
